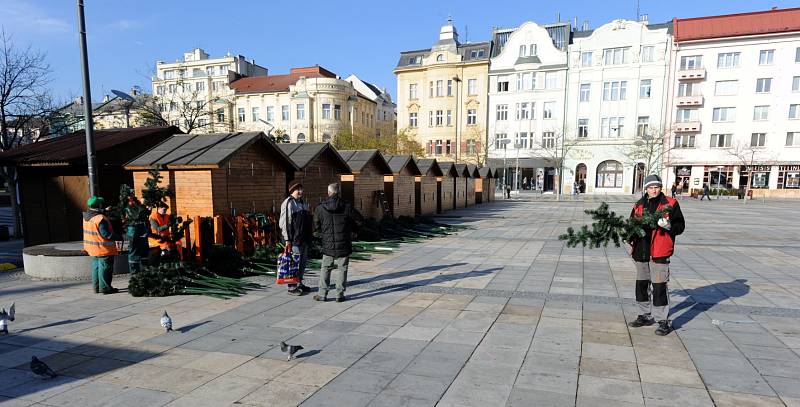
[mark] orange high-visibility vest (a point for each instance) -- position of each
(160, 221)
(93, 243)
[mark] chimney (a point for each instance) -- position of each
(558, 17)
(575, 23)
(79, 100)
(643, 19)
(585, 25)
(105, 98)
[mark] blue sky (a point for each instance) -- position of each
(361, 37)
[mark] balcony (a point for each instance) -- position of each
(689, 101)
(687, 127)
(691, 74)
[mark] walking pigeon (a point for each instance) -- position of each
(40, 369)
(166, 321)
(290, 349)
(4, 318)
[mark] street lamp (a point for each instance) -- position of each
(457, 80)
(271, 127)
(124, 96)
(91, 158)
(719, 179)
(517, 146)
(504, 142)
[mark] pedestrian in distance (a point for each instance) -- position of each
(336, 221)
(651, 256)
(101, 243)
(706, 190)
(296, 226)
(136, 233)
(508, 191)
(674, 190)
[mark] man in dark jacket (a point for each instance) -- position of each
(651, 254)
(335, 220)
(705, 192)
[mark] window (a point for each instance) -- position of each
(645, 87)
(430, 118)
(449, 87)
(502, 112)
(533, 110)
(221, 116)
(615, 90)
(522, 111)
(726, 88)
(691, 62)
(586, 58)
(270, 114)
(527, 83)
(217, 85)
(209, 70)
(532, 50)
(793, 139)
(301, 138)
(647, 53)
(583, 128)
(412, 91)
(199, 105)
(169, 74)
(615, 56)
(728, 60)
(173, 88)
(449, 117)
(612, 127)
(223, 69)
(430, 89)
(476, 53)
(160, 90)
(447, 147)
(521, 140)
(796, 84)
(440, 58)
(686, 89)
(763, 85)
(643, 126)
(472, 116)
(684, 141)
(301, 111)
(523, 50)
(547, 113)
(337, 112)
(500, 141)
(412, 120)
(439, 118)
(187, 87)
(173, 106)
(797, 55)
(551, 80)
(761, 113)
(472, 86)
(439, 88)
(721, 140)
(326, 111)
(202, 122)
(758, 139)
(794, 111)
(415, 60)
(686, 115)
(200, 86)
(766, 56)
(438, 146)
(285, 113)
(255, 114)
(609, 174)
(549, 139)
(502, 84)
(585, 88)
(724, 114)
(472, 147)
(242, 115)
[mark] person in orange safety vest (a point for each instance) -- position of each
(100, 242)
(159, 226)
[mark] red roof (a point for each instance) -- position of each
(279, 83)
(736, 25)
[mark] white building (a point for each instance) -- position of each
(527, 89)
(385, 109)
(618, 80)
(735, 102)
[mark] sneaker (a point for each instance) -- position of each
(664, 328)
(111, 290)
(340, 298)
(304, 288)
(295, 292)
(320, 298)
(642, 320)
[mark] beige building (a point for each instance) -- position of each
(385, 108)
(308, 104)
(196, 88)
(442, 97)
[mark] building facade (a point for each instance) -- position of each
(196, 89)
(309, 104)
(617, 88)
(527, 94)
(385, 114)
(735, 103)
(442, 97)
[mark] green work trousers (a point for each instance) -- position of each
(102, 270)
(328, 263)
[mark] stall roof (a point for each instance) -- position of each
(203, 151)
(398, 162)
(302, 154)
(449, 168)
(72, 147)
(358, 159)
(429, 164)
(486, 172)
(473, 170)
(463, 171)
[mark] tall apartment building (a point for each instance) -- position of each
(308, 104)
(198, 83)
(385, 109)
(618, 81)
(735, 102)
(442, 96)
(527, 91)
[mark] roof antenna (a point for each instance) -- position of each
(466, 34)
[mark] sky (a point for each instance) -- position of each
(362, 37)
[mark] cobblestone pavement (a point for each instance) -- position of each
(502, 314)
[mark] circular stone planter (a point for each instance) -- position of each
(64, 261)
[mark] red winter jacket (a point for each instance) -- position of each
(661, 241)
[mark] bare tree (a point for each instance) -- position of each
(648, 149)
(554, 147)
(475, 136)
(749, 155)
(24, 101)
(181, 107)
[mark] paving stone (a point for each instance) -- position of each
(141, 397)
(670, 375)
(611, 352)
(611, 389)
(660, 395)
(735, 381)
(730, 399)
(364, 381)
(278, 394)
(217, 362)
(338, 397)
(309, 374)
(391, 400)
(521, 397)
(613, 369)
(384, 362)
(226, 389)
(423, 387)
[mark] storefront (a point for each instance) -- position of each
(682, 176)
(789, 177)
(755, 175)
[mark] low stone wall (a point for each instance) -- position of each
(64, 261)
(776, 193)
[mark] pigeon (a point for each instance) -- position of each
(290, 349)
(166, 321)
(4, 318)
(41, 369)
(12, 310)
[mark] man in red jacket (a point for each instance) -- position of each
(651, 254)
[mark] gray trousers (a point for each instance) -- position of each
(328, 263)
(652, 294)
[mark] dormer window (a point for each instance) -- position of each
(476, 53)
(532, 50)
(440, 58)
(414, 60)
(523, 50)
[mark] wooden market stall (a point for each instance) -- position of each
(447, 183)
(483, 189)
(472, 185)
(400, 186)
(462, 185)
(428, 188)
(363, 187)
(320, 164)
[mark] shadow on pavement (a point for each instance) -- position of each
(188, 328)
(58, 323)
(704, 298)
(428, 281)
(399, 274)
